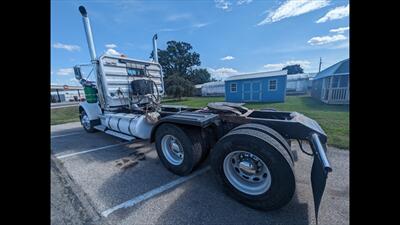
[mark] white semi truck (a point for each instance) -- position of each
(249, 149)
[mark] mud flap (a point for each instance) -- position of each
(319, 171)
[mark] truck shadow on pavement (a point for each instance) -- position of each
(113, 154)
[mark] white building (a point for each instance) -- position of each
(299, 83)
(216, 88)
(65, 93)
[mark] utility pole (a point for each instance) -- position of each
(320, 63)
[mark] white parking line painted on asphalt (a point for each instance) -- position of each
(64, 106)
(58, 156)
(64, 135)
(154, 192)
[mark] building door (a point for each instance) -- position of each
(326, 84)
(246, 91)
(251, 91)
(256, 91)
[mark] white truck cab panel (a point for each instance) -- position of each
(93, 110)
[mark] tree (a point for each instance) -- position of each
(199, 76)
(177, 86)
(177, 62)
(177, 58)
(293, 69)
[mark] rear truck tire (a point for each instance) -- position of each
(271, 132)
(87, 124)
(195, 134)
(254, 169)
(178, 150)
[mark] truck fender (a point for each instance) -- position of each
(93, 110)
(153, 130)
(201, 120)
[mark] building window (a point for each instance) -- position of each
(233, 87)
(335, 81)
(344, 80)
(272, 85)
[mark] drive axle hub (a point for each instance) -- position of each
(247, 172)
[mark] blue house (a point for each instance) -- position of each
(256, 87)
(332, 85)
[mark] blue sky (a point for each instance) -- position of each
(231, 36)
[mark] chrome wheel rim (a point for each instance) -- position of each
(247, 172)
(172, 149)
(85, 121)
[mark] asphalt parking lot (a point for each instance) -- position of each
(147, 193)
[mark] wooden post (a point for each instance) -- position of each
(348, 89)
(58, 95)
(320, 63)
(330, 89)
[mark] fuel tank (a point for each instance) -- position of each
(131, 124)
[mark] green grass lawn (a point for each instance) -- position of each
(334, 119)
(64, 115)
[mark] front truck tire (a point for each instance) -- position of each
(87, 124)
(179, 149)
(254, 169)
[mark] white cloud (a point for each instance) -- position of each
(70, 48)
(223, 4)
(335, 14)
(111, 51)
(65, 71)
(274, 67)
(73, 82)
(278, 66)
(196, 25)
(221, 73)
(293, 8)
(111, 45)
(168, 30)
(326, 39)
(339, 30)
(199, 25)
(240, 2)
(342, 45)
(227, 58)
(181, 16)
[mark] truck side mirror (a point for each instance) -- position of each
(77, 71)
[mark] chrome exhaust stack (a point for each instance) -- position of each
(155, 53)
(155, 59)
(88, 31)
(93, 56)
